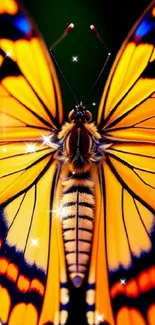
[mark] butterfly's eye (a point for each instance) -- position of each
(71, 115)
(88, 115)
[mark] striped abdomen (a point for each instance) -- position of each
(77, 223)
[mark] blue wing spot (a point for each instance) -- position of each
(64, 306)
(90, 286)
(22, 24)
(91, 307)
(64, 285)
(144, 28)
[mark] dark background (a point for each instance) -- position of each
(113, 19)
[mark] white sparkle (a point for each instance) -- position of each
(94, 104)
(4, 150)
(7, 54)
(123, 281)
(34, 242)
(100, 318)
(30, 147)
(74, 58)
(67, 299)
(59, 211)
(46, 139)
(73, 173)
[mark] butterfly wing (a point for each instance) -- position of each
(123, 267)
(130, 86)
(32, 268)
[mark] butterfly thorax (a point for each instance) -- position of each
(79, 139)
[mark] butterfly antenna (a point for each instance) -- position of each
(67, 83)
(96, 33)
(64, 34)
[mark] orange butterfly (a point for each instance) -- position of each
(77, 200)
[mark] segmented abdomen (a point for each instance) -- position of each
(77, 223)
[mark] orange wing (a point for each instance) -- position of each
(33, 286)
(131, 86)
(121, 286)
(29, 105)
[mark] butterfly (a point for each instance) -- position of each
(77, 199)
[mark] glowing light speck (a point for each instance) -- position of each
(46, 139)
(123, 281)
(100, 318)
(74, 58)
(94, 104)
(34, 242)
(58, 211)
(4, 150)
(7, 54)
(67, 299)
(30, 147)
(49, 141)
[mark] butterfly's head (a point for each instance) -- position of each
(80, 114)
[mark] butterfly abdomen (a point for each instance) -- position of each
(77, 223)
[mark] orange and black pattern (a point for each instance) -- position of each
(24, 282)
(25, 63)
(130, 86)
(126, 122)
(77, 201)
(78, 223)
(30, 109)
